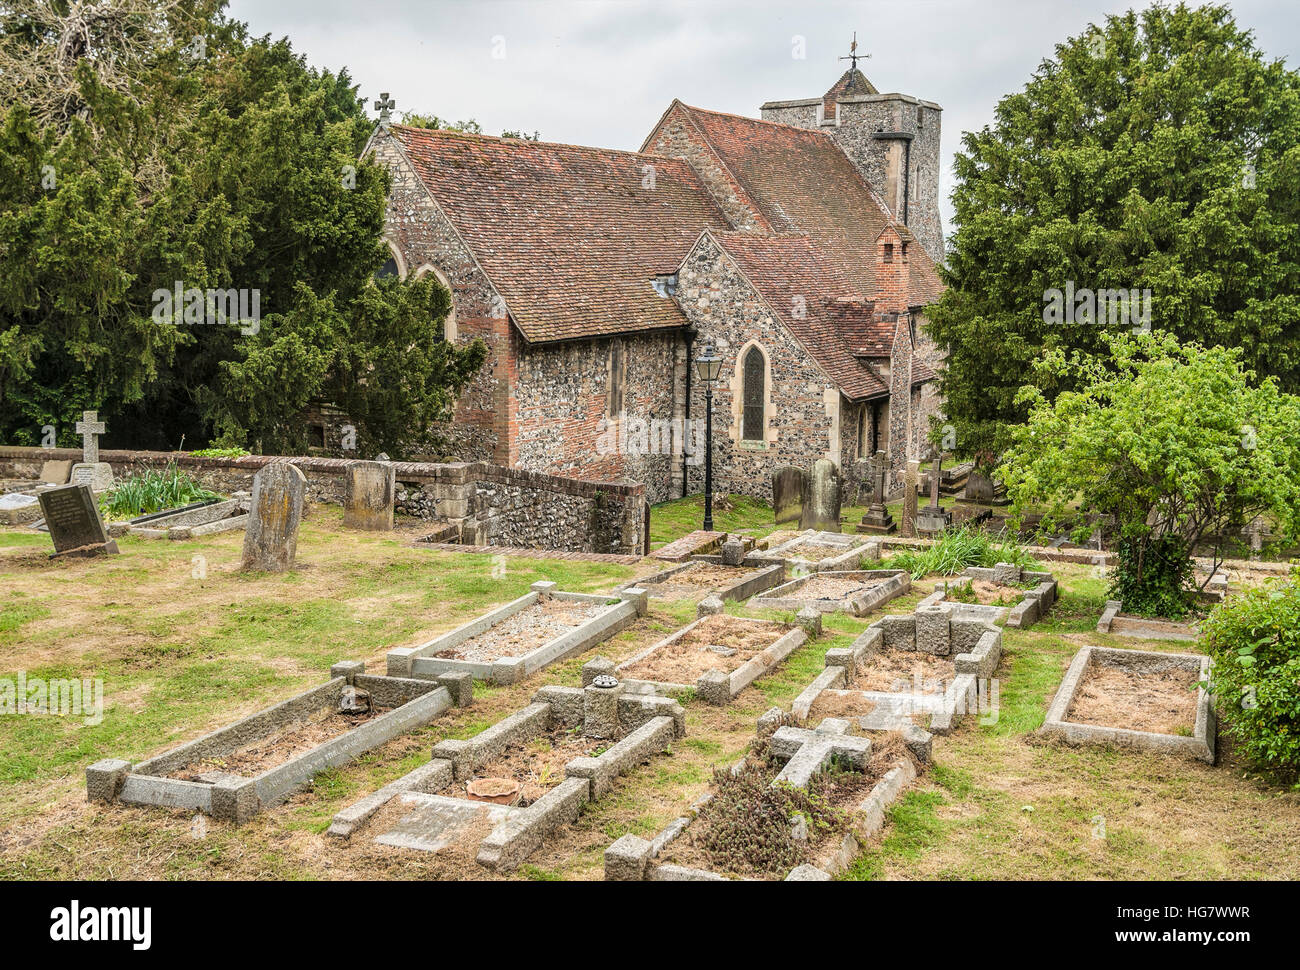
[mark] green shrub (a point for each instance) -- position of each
(1153, 576)
(1254, 639)
(152, 491)
(959, 548)
(220, 453)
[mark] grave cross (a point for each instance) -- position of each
(934, 480)
(90, 428)
(385, 106)
(810, 751)
(879, 463)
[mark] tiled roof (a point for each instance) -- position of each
(802, 181)
(570, 236)
(807, 293)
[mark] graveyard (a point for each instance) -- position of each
(309, 694)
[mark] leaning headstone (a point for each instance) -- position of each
(982, 490)
(271, 538)
(368, 490)
(90, 470)
(56, 472)
(72, 516)
(787, 494)
(821, 505)
(912, 480)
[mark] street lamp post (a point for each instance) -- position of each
(708, 366)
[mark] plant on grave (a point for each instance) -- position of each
(151, 491)
(1254, 639)
(1178, 444)
(958, 548)
(746, 827)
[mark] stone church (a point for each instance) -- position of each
(801, 246)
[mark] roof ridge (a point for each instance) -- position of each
(758, 121)
(476, 136)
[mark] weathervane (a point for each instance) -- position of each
(385, 106)
(853, 53)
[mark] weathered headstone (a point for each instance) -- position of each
(733, 551)
(982, 490)
(90, 470)
(56, 472)
(821, 504)
(933, 518)
(72, 516)
(787, 494)
(368, 491)
(271, 539)
(913, 479)
(877, 519)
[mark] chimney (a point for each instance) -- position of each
(893, 256)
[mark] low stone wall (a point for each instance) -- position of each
(491, 504)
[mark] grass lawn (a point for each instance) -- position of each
(184, 643)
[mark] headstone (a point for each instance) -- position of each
(821, 504)
(90, 470)
(877, 519)
(733, 552)
(913, 479)
(72, 516)
(368, 490)
(787, 494)
(56, 472)
(933, 518)
(982, 490)
(271, 539)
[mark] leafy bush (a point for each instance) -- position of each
(958, 548)
(152, 491)
(1254, 639)
(1154, 577)
(220, 453)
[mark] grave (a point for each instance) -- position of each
(1139, 699)
(903, 670)
(911, 482)
(368, 492)
(701, 577)
(716, 656)
(877, 519)
(56, 472)
(812, 552)
(982, 490)
(850, 777)
(193, 521)
(72, 516)
(1005, 593)
(1115, 620)
(259, 761)
(856, 592)
(933, 519)
(787, 494)
(271, 536)
(524, 777)
(821, 500)
(17, 508)
(90, 470)
(540, 628)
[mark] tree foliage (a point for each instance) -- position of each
(1159, 151)
(1177, 443)
(181, 151)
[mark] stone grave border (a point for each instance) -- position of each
(765, 577)
(1112, 621)
(856, 548)
(1031, 608)
(786, 597)
(237, 799)
(419, 662)
(974, 645)
(713, 686)
(224, 516)
(634, 859)
(1200, 745)
(651, 725)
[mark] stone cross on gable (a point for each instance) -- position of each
(90, 428)
(809, 752)
(385, 106)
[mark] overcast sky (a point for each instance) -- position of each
(601, 72)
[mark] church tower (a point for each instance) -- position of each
(892, 139)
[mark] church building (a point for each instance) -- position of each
(801, 247)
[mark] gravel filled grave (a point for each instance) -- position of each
(824, 586)
(526, 630)
(719, 642)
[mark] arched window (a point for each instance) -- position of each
(395, 265)
(449, 325)
(754, 395)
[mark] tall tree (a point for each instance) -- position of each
(1159, 151)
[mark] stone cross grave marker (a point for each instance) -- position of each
(787, 494)
(811, 751)
(90, 470)
(72, 516)
(877, 518)
(821, 504)
(933, 518)
(271, 538)
(369, 488)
